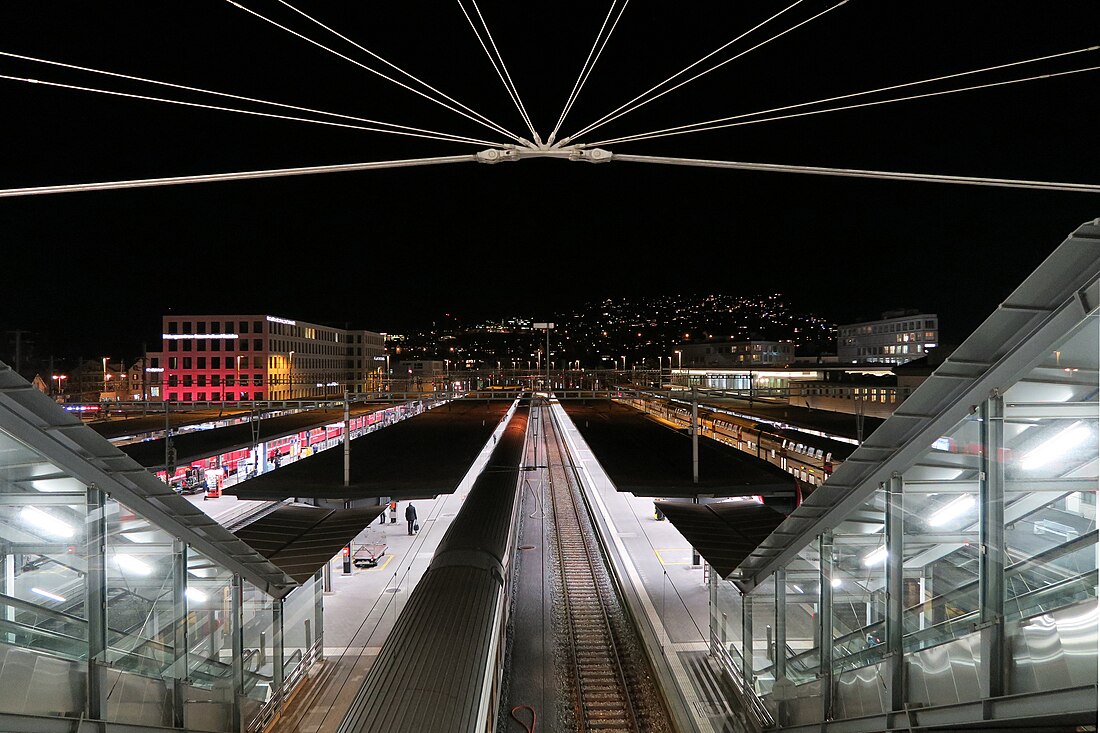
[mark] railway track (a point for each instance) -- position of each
(613, 690)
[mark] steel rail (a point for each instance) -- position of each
(597, 714)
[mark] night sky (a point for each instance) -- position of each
(389, 250)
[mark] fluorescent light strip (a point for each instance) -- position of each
(47, 594)
(131, 563)
(182, 336)
(46, 522)
(951, 511)
(1057, 446)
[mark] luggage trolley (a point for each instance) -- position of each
(367, 556)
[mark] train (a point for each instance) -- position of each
(441, 667)
(809, 458)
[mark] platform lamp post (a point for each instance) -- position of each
(546, 327)
(105, 374)
(60, 380)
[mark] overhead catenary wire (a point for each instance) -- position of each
(235, 96)
(501, 69)
(490, 122)
(237, 176)
(857, 173)
(446, 137)
(361, 65)
(586, 69)
(990, 85)
(612, 114)
(717, 123)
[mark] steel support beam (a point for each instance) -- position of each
(95, 601)
(236, 629)
(895, 593)
(991, 555)
(825, 623)
(181, 666)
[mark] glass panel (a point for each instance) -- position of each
(43, 563)
(803, 652)
(859, 586)
(1051, 474)
(762, 600)
(299, 627)
(209, 598)
(727, 616)
(141, 608)
(258, 641)
(941, 539)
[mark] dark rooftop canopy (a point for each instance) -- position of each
(724, 533)
(647, 458)
(299, 540)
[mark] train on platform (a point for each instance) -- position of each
(441, 667)
(808, 457)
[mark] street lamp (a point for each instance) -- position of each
(59, 378)
(624, 362)
(679, 360)
(105, 377)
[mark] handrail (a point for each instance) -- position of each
(758, 714)
(1078, 543)
(274, 704)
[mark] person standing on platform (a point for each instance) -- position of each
(410, 517)
(393, 512)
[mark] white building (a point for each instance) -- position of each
(898, 337)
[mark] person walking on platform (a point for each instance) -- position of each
(410, 517)
(393, 512)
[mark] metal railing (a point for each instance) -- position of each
(274, 705)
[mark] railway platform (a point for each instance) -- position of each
(665, 583)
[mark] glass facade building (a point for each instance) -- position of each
(123, 604)
(946, 574)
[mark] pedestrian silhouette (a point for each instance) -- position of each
(410, 517)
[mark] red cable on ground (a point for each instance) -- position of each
(534, 717)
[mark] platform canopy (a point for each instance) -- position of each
(299, 539)
(724, 532)
(648, 458)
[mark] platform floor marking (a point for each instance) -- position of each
(662, 560)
